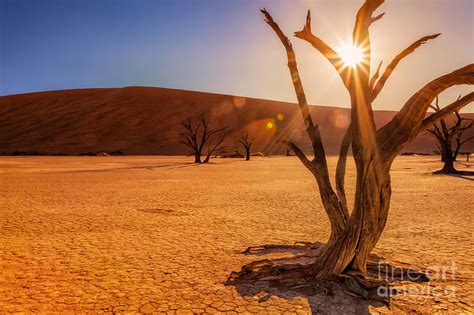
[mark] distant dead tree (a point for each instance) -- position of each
(197, 136)
(345, 258)
(246, 142)
(467, 154)
(447, 135)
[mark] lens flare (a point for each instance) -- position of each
(351, 55)
(340, 119)
(269, 125)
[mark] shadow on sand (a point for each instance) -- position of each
(336, 296)
(467, 175)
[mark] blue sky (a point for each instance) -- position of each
(220, 46)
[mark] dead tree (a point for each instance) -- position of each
(246, 142)
(197, 136)
(354, 234)
(447, 135)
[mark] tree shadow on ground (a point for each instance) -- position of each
(467, 175)
(341, 295)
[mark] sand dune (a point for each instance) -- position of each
(144, 120)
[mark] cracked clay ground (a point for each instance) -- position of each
(157, 234)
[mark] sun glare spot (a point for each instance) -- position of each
(340, 119)
(351, 55)
(269, 125)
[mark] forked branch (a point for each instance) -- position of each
(300, 154)
(318, 166)
(214, 147)
(375, 76)
(330, 54)
(360, 35)
(311, 129)
(441, 113)
(365, 18)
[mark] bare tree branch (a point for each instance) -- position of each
(204, 136)
(441, 113)
(331, 55)
(408, 122)
(341, 171)
(360, 35)
(303, 158)
(213, 148)
(318, 166)
(375, 76)
(467, 140)
(435, 132)
(376, 18)
(311, 129)
(436, 106)
(388, 71)
(365, 18)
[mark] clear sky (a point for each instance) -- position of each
(221, 46)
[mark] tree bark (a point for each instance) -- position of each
(197, 158)
(448, 167)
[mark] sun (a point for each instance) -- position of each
(351, 55)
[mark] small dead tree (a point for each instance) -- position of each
(197, 136)
(467, 154)
(345, 256)
(447, 135)
(246, 142)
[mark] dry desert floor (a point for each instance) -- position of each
(159, 234)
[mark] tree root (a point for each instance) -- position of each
(297, 247)
(296, 273)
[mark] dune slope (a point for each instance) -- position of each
(144, 120)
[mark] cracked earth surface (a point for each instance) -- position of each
(158, 234)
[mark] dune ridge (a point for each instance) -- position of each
(144, 120)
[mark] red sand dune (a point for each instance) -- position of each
(144, 120)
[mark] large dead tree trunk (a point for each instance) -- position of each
(446, 136)
(448, 167)
(355, 234)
